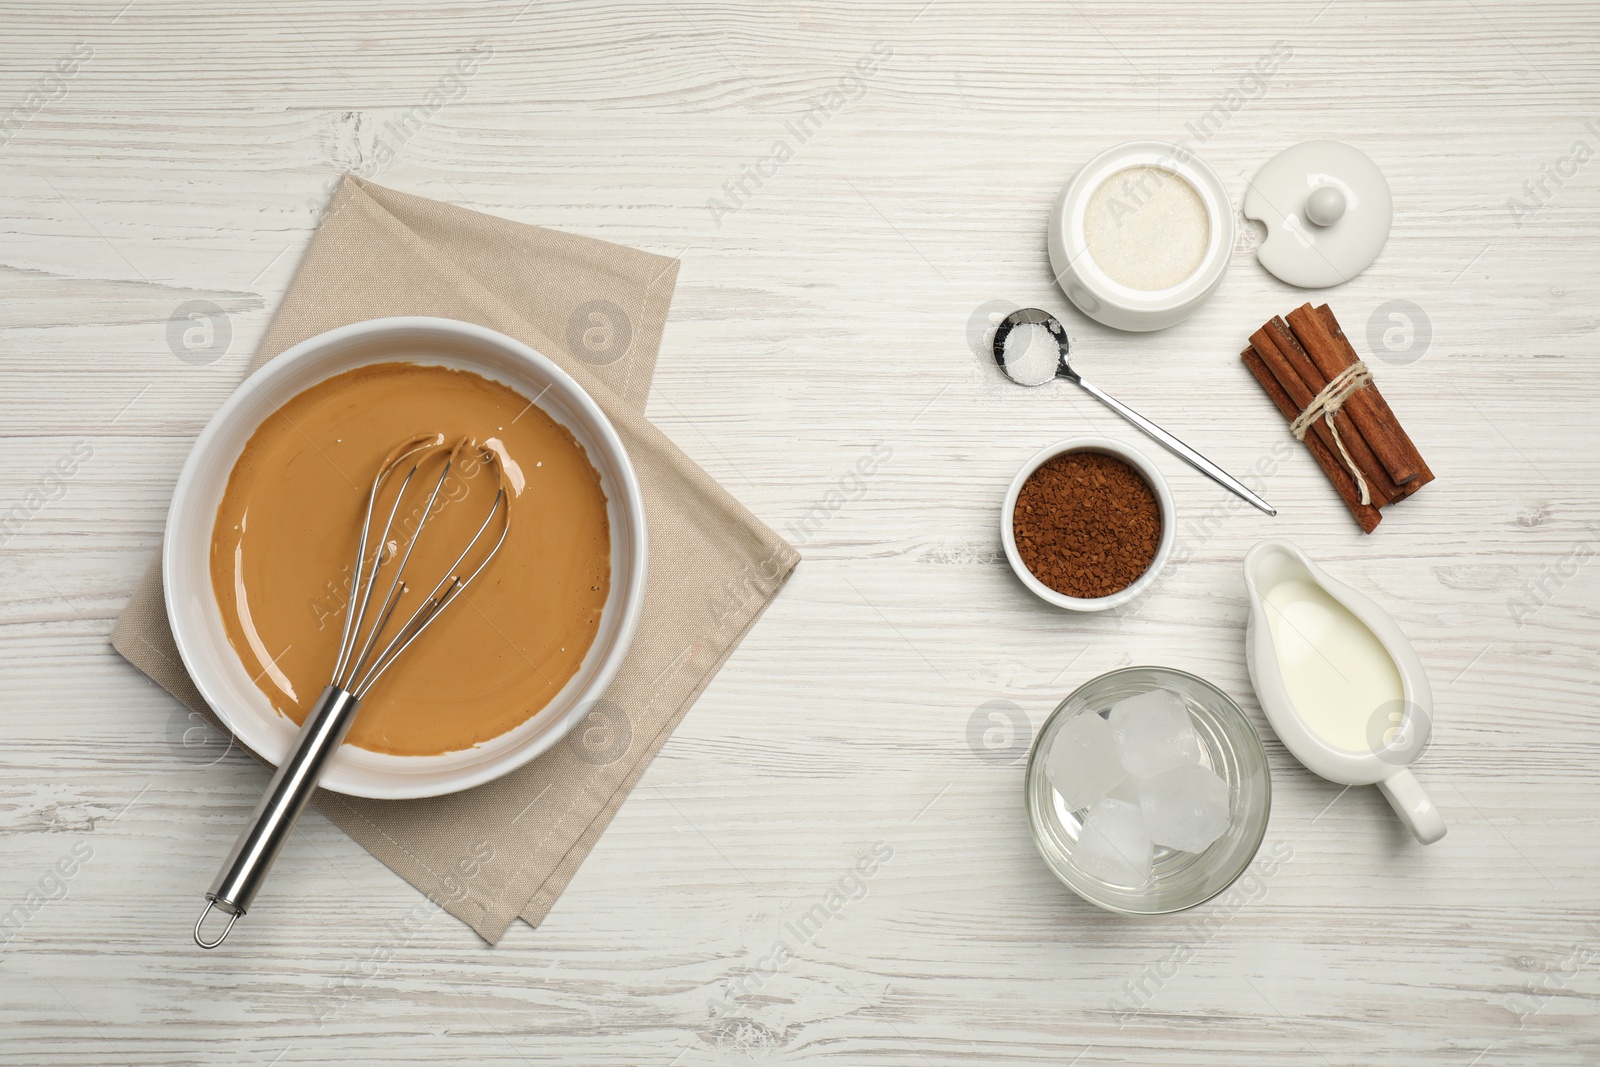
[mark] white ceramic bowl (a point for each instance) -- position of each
(1139, 462)
(1095, 292)
(197, 620)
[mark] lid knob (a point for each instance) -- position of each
(1325, 206)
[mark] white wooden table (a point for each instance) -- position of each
(185, 158)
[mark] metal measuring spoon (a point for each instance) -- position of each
(1036, 317)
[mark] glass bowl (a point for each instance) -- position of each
(1228, 745)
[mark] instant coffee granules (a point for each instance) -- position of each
(1086, 524)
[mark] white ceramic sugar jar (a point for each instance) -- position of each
(1141, 236)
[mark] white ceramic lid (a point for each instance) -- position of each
(1327, 210)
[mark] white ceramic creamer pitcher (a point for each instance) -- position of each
(1338, 680)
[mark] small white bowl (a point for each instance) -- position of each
(1139, 462)
(197, 621)
(1095, 292)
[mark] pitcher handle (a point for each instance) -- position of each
(1411, 803)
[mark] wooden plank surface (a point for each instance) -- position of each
(186, 158)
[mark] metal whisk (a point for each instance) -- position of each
(367, 648)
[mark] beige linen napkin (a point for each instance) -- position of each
(509, 848)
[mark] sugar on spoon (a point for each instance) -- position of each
(1032, 363)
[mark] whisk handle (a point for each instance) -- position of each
(246, 867)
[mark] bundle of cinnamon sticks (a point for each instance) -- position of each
(1294, 360)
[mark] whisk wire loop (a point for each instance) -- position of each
(436, 602)
(366, 653)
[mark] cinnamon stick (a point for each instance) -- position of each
(1390, 491)
(1387, 440)
(1295, 354)
(1424, 474)
(1279, 359)
(1332, 465)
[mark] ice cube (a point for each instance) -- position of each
(1153, 732)
(1082, 764)
(1113, 845)
(1184, 807)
